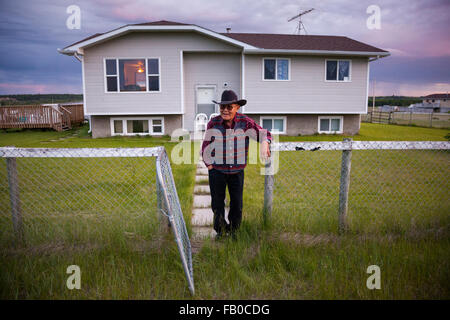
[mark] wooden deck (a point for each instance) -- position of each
(57, 117)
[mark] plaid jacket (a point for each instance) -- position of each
(226, 148)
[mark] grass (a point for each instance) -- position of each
(299, 255)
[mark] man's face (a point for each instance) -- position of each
(228, 111)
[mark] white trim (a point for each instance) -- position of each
(276, 67)
(278, 112)
(124, 126)
(367, 90)
(284, 118)
(131, 113)
(84, 89)
(147, 74)
(243, 79)
(337, 70)
(341, 124)
(182, 87)
(114, 33)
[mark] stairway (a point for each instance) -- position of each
(202, 214)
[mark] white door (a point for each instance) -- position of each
(204, 103)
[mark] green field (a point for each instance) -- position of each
(100, 215)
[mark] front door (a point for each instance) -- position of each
(204, 104)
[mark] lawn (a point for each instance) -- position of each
(398, 214)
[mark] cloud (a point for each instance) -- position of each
(385, 88)
(415, 32)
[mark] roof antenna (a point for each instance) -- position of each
(300, 25)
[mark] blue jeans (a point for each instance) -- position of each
(218, 182)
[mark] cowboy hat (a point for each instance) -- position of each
(229, 97)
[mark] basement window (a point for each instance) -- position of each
(330, 124)
(275, 125)
(137, 126)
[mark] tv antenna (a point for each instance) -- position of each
(300, 25)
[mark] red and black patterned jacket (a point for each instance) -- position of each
(226, 148)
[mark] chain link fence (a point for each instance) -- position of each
(84, 196)
(421, 119)
(360, 186)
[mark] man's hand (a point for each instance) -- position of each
(265, 150)
(210, 167)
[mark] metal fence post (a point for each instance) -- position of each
(163, 220)
(344, 186)
(268, 190)
(13, 182)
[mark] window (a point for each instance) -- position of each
(276, 69)
(337, 70)
(132, 75)
(111, 75)
(137, 126)
(274, 124)
(118, 126)
(330, 124)
(157, 126)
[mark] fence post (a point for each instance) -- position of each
(344, 186)
(431, 119)
(13, 182)
(268, 190)
(410, 117)
(164, 224)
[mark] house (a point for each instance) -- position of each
(438, 102)
(152, 78)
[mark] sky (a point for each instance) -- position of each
(416, 32)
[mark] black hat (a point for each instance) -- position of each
(229, 97)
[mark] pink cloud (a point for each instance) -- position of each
(384, 88)
(23, 88)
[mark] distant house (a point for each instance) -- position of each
(151, 78)
(439, 102)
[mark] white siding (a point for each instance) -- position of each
(167, 46)
(307, 91)
(209, 69)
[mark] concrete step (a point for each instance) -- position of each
(201, 189)
(202, 217)
(201, 178)
(205, 216)
(201, 164)
(202, 171)
(201, 233)
(202, 201)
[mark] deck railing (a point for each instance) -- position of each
(41, 116)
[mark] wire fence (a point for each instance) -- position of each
(359, 186)
(421, 119)
(82, 196)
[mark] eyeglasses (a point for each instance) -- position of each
(229, 107)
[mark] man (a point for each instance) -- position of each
(226, 139)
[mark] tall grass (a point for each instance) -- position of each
(399, 220)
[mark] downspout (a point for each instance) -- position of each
(79, 57)
(370, 60)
